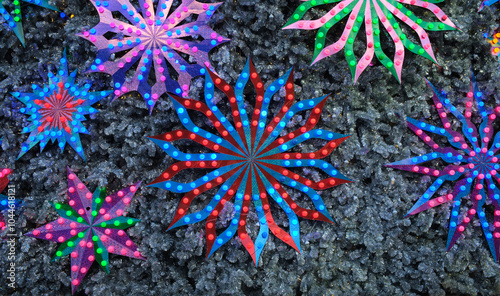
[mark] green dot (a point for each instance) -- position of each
(421, 51)
(103, 224)
(328, 25)
(16, 2)
(345, 10)
(419, 21)
(17, 19)
(94, 213)
(325, 1)
(117, 223)
(430, 26)
(348, 53)
(80, 234)
(389, 17)
(355, 29)
(296, 16)
(104, 263)
(98, 200)
(352, 63)
(359, 19)
(390, 64)
(313, 2)
(71, 244)
(95, 238)
(399, 6)
(58, 253)
(411, 46)
(99, 250)
(321, 35)
(130, 221)
(375, 21)
(395, 26)
(79, 219)
(381, 57)
(377, 44)
(302, 8)
(441, 26)
(350, 40)
(58, 206)
(68, 213)
(319, 46)
(408, 13)
(17, 11)
(337, 17)
(376, 32)
(402, 36)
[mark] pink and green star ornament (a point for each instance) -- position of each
(14, 19)
(373, 15)
(472, 165)
(57, 110)
(90, 227)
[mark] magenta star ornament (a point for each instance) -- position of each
(150, 49)
(373, 15)
(253, 160)
(472, 165)
(57, 110)
(90, 227)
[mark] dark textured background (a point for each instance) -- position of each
(372, 250)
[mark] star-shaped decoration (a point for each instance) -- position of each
(253, 160)
(153, 50)
(90, 227)
(472, 165)
(57, 110)
(373, 15)
(14, 20)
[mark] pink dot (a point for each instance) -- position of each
(120, 193)
(74, 268)
(72, 232)
(123, 251)
(91, 258)
(60, 221)
(61, 239)
(137, 254)
(48, 236)
(72, 176)
(90, 244)
(48, 226)
(88, 195)
(126, 201)
(133, 188)
(128, 243)
(36, 232)
(75, 282)
(83, 270)
(121, 232)
(107, 231)
(71, 189)
(107, 217)
(74, 254)
(111, 249)
(108, 199)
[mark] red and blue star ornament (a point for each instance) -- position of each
(156, 49)
(57, 110)
(472, 165)
(14, 19)
(251, 161)
(90, 227)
